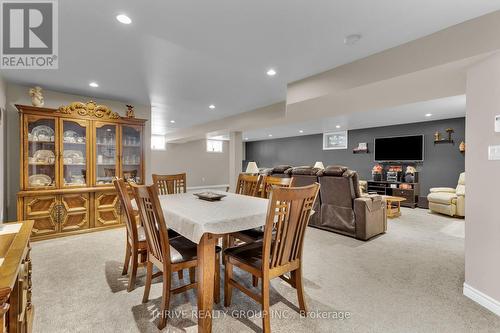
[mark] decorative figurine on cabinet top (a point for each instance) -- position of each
(36, 96)
(130, 111)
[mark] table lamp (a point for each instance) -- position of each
(319, 165)
(252, 168)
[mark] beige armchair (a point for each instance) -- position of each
(447, 200)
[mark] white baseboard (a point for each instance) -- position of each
(482, 299)
(223, 186)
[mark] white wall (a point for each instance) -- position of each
(2, 147)
(482, 224)
(202, 168)
(17, 94)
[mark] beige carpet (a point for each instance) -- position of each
(408, 280)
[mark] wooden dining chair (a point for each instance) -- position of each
(136, 239)
(281, 251)
(170, 184)
(268, 182)
(266, 185)
(167, 255)
(248, 184)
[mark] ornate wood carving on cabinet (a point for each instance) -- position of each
(107, 209)
(44, 211)
(74, 212)
(69, 157)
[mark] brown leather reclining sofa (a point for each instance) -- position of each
(340, 207)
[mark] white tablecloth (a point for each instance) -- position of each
(192, 217)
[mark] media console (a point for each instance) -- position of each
(409, 191)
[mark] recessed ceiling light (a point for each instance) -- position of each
(246, 138)
(301, 131)
(428, 114)
(211, 106)
(122, 18)
(338, 126)
(172, 121)
(271, 72)
(94, 84)
(270, 135)
(352, 39)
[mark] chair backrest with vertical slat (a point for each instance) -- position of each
(126, 202)
(287, 217)
(269, 181)
(248, 184)
(154, 222)
(170, 184)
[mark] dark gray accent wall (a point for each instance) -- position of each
(441, 166)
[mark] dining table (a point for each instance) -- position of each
(204, 223)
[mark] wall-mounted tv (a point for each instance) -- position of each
(400, 149)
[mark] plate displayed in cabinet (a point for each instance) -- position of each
(44, 156)
(73, 157)
(39, 180)
(70, 136)
(42, 132)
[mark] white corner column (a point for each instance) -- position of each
(482, 219)
(235, 158)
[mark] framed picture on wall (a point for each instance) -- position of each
(335, 140)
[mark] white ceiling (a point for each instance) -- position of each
(443, 108)
(181, 56)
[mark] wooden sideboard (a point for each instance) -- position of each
(69, 157)
(16, 309)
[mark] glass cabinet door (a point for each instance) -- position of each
(74, 153)
(41, 150)
(105, 154)
(132, 153)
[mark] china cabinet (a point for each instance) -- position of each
(69, 157)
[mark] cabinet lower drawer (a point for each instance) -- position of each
(409, 195)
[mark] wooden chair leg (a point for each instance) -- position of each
(144, 256)
(230, 241)
(297, 277)
(180, 274)
(133, 273)
(192, 274)
(127, 259)
(266, 320)
(165, 300)
(255, 281)
(217, 280)
(225, 245)
(149, 277)
(228, 289)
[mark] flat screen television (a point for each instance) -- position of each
(400, 149)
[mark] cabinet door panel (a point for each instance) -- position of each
(105, 153)
(44, 211)
(75, 212)
(75, 151)
(132, 153)
(107, 209)
(41, 152)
